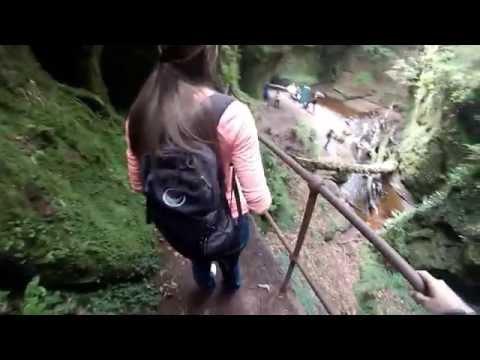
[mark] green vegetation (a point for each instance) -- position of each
(66, 207)
(258, 64)
(229, 71)
(282, 208)
(229, 67)
(306, 64)
(439, 163)
(335, 222)
(447, 71)
(4, 303)
(363, 78)
(379, 52)
(66, 196)
(307, 136)
(442, 233)
(439, 156)
(128, 298)
(39, 301)
(376, 281)
(443, 80)
(300, 286)
(302, 65)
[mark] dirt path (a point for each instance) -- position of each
(332, 261)
(258, 267)
(279, 122)
(334, 264)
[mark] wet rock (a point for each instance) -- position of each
(444, 233)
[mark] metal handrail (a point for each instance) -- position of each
(316, 185)
(318, 292)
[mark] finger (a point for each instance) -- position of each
(426, 276)
(428, 280)
(420, 298)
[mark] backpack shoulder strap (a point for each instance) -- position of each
(212, 109)
(218, 104)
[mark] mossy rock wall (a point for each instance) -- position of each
(304, 64)
(443, 233)
(66, 205)
(259, 63)
(444, 116)
(432, 144)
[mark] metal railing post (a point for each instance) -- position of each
(316, 183)
(307, 217)
(329, 308)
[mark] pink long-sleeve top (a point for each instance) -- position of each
(239, 145)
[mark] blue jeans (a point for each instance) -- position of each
(229, 265)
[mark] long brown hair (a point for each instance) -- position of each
(165, 109)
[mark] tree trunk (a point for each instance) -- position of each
(324, 164)
(90, 67)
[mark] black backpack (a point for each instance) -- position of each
(185, 195)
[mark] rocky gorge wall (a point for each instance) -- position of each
(439, 164)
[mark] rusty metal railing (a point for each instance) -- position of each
(317, 187)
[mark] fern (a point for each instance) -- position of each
(473, 152)
(4, 307)
(38, 301)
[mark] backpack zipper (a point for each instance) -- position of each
(206, 182)
(205, 245)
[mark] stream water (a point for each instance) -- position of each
(349, 126)
(390, 201)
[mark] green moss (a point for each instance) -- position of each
(66, 204)
(335, 222)
(443, 232)
(307, 137)
(376, 278)
(444, 78)
(282, 208)
(259, 63)
(302, 65)
(303, 292)
(128, 298)
(39, 301)
(4, 303)
(363, 78)
(229, 70)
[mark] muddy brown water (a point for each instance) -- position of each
(390, 202)
(339, 107)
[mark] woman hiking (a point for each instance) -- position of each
(178, 130)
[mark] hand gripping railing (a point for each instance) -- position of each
(316, 186)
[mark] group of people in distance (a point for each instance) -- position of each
(302, 94)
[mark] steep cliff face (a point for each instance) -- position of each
(68, 212)
(432, 144)
(307, 64)
(443, 117)
(66, 206)
(125, 69)
(439, 164)
(78, 66)
(443, 233)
